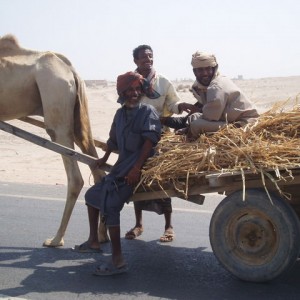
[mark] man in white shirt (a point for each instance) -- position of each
(161, 94)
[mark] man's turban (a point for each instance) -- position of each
(126, 80)
(203, 60)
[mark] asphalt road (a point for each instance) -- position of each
(183, 269)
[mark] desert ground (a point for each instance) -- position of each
(22, 161)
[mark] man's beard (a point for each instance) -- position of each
(206, 82)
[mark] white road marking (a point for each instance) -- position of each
(82, 201)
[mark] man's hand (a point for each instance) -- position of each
(133, 176)
(100, 162)
(189, 108)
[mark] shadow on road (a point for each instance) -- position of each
(156, 270)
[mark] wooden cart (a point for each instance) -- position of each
(254, 231)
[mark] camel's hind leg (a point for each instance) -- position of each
(58, 95)
(75, 184)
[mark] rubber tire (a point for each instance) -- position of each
(254, 239)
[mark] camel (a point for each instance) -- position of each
(46, 84)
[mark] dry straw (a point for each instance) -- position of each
(272, 143)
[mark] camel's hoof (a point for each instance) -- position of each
(53, 243)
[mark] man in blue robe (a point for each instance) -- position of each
(134, 132)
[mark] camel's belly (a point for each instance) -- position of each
(19, 96)
(23, 81)
(19, 102)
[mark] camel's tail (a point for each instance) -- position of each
(82, 126)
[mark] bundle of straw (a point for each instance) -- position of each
(272, 143)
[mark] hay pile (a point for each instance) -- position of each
(272, 143)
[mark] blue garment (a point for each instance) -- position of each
(129, 130)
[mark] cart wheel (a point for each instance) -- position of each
(254, 239)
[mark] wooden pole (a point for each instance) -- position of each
(98, 143)
(81, 157)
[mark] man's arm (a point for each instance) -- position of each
(190, 108)
(172, 99)
(133, 175)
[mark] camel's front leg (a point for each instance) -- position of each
(75, 184)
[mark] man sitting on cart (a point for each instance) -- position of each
(219, 101)
(134, 132)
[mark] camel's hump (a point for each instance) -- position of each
(9, 41)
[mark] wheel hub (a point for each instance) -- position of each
(253, 237)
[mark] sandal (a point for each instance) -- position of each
(109, 269)
(168, 236)
(133, 233)
(85, 248)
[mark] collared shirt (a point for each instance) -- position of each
(167, 103)
(223, 101)
(127, 135)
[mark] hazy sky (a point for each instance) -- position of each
(254, 38)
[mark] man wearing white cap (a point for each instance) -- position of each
(220, 100)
